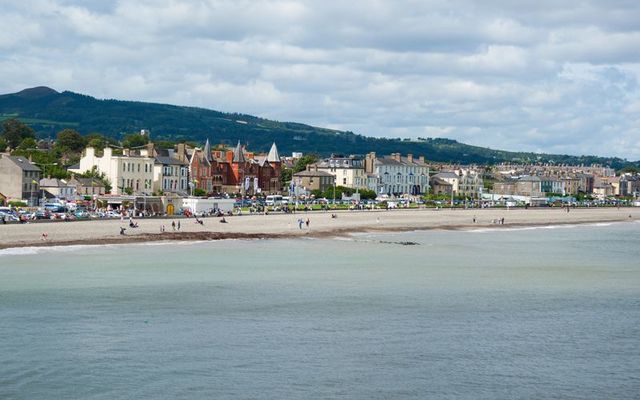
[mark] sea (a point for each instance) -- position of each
(523, 313)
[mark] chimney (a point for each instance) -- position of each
(421, 159)
(126, 152)
(369, 159)
(181, 152)
(151, 149)
(108, 152)
(396, 156)
(410, 157)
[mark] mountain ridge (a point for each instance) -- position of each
(48, 111)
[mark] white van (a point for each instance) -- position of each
(274, 200)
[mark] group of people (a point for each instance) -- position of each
(302, 222)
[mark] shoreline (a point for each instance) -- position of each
(285, 226)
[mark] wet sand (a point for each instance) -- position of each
(286, 225)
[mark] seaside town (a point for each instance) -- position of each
(149, 180)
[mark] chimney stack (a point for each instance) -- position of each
(421, 159)
(182, 152)
(410, 157)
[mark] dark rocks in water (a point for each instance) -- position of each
(401, 243)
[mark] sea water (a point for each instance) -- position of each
(480, 314)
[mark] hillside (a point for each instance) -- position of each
(48, 111)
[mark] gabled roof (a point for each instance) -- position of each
(312, 173)
(238, 154)
(88, 182)
(446, 175)
(207, 151)
(23, 163)
(438, 181)
(273, 154)
(52, 182)
(169, 161)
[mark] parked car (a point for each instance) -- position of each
(7, 216)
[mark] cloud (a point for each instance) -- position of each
(550, 76)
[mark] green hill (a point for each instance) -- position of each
(48, 111)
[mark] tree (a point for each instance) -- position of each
(99, 176)
(285, 176)
(303, 161)
(134, 140)
(96, 140)
(28, 143)
(71, 140)
(14, 132)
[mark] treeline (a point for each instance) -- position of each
(47, 111)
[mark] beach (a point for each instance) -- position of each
(288, 225)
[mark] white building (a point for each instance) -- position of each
(170, 175)
(348, 171)
(397, 175)
(126, 172)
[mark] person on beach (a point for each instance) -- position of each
(223, 221)
(307, 222)
(474, 219)
(122, 230)
(162, 228)
(45, 236)
(178, 225)
(300, 222)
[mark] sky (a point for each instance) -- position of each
(543, 76)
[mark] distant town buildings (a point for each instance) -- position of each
(184, 171)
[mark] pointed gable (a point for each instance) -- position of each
(238, 154)
(273, 154)
(207, 151)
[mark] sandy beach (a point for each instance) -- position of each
(287, 225)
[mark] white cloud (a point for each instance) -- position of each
(551, 76)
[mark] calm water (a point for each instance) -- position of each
(532, 313)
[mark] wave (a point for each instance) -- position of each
(501, 228)
(19, 251)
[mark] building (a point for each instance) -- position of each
(451, 178)
(349, 171)
(19, 179)
(311, 180)
(128, 173)
(505, 187)
(170, 175)
(58, 189)
(87, 186)
(629, 185)
(440, 187)
(528, 186)
(397, 175)
(247, 173)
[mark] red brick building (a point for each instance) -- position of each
(235, 170)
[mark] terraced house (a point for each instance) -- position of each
(397, 175)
